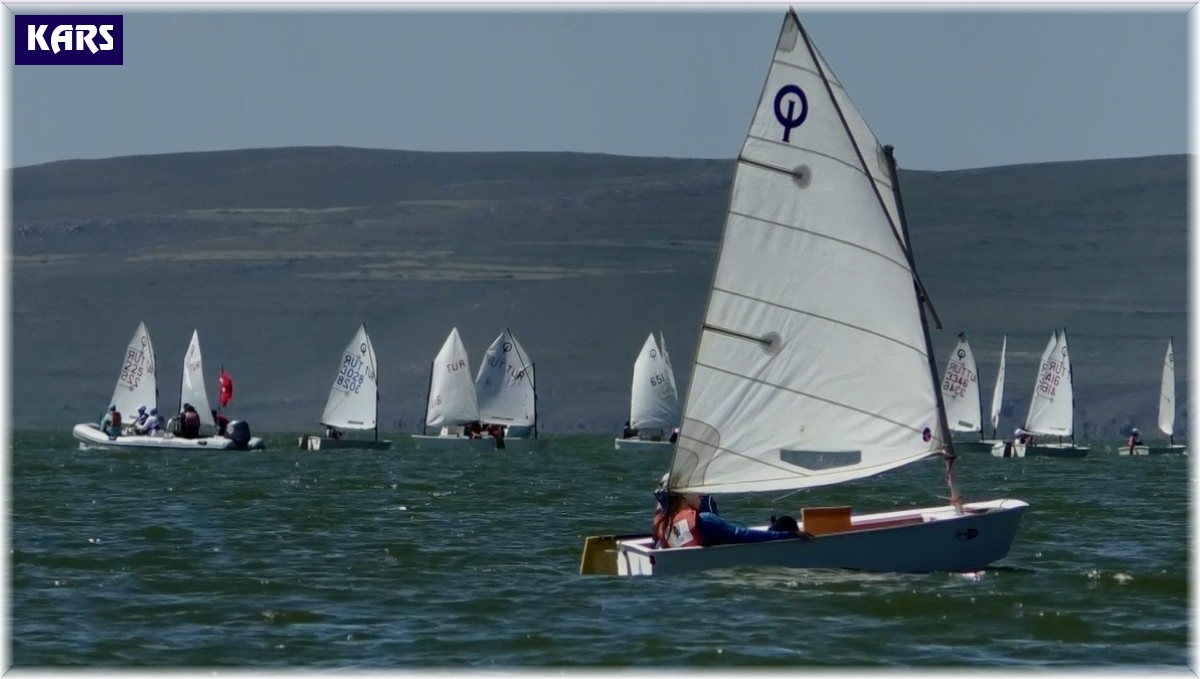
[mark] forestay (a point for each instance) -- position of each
(1051, 411)
(960, 389)
(192, 390)
(354, 396)
(811, 367)
(451, 391)
(998, 391)
(654, 403)
(137, 384)
(505, 383)
(1166, 396)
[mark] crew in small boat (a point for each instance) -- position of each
(331, 432)
(674, 434)
(141, 418)
(189, 422)
(111, 423)
(474, 430)
(691, 520)
(152, 426)
(1023, 437)
(1134, 438)
(221, 421)
(629, 432)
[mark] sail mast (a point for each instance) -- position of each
(947, 441)
(1071, 381)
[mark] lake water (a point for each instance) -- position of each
(407, 559)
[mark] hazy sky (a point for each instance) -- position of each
(949, 89)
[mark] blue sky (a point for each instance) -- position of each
(951, 90)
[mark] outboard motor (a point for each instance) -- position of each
(238, 432)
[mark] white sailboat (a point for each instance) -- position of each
(140, 356)
(998, 390)
(506, 389)
(653, 400)
(451, 405)
(960, 393)
(1051, 410)
(1166, 412)
(814, 364)
(353, 402)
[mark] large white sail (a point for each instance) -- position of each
(960, 389)
(812, 366)
(192, 390)
(654, 404)
(1166, 396)
(137, 384)
(452, 400)
(1051, 411)
(505, 384)
(998, 391)
(354, 396)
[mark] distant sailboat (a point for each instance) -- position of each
(134, 386)
(960, 393)
(1051, 410)
(814, 364)
(506, 389)
(653, 401)
(450, 404)
(1166, 413)
(353, 402)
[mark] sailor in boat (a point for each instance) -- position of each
(674, 434)
(331, 432)
(141, 418)
(189, 422)
(691, 520)
(474, 430)
(111, 423)
(221, 421)
(1134, 439)
(151, 427)
(629, 432)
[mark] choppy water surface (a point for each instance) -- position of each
(366, 559)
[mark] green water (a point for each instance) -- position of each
(408, 559)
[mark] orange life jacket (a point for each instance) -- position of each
(681, 533)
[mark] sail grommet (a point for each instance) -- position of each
(802, 175)
(771, 343)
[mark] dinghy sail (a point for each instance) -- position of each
(998, 391)
(814, 364)
(451, 401)
(506, 386)
(136, 384)
(960, 389)
(192, 388)
(653, 399)
(1166, 394)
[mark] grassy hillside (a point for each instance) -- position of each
(276, 255)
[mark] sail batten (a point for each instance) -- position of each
(829, 237)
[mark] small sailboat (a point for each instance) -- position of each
(451, 407)
(1051, 410)
(998, 391)
(1166, 413)
(814, 364)
(506, 390)
(353, 402)
(140, 356)
(653, 400)
(960, 393)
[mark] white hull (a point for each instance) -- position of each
(90, 436)
(907, 541)
(983, 447)
(452, 443)
(1177, 449)
(1002, 449)
(322, 443)
(640, 446)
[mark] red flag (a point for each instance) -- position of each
(226, 387)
